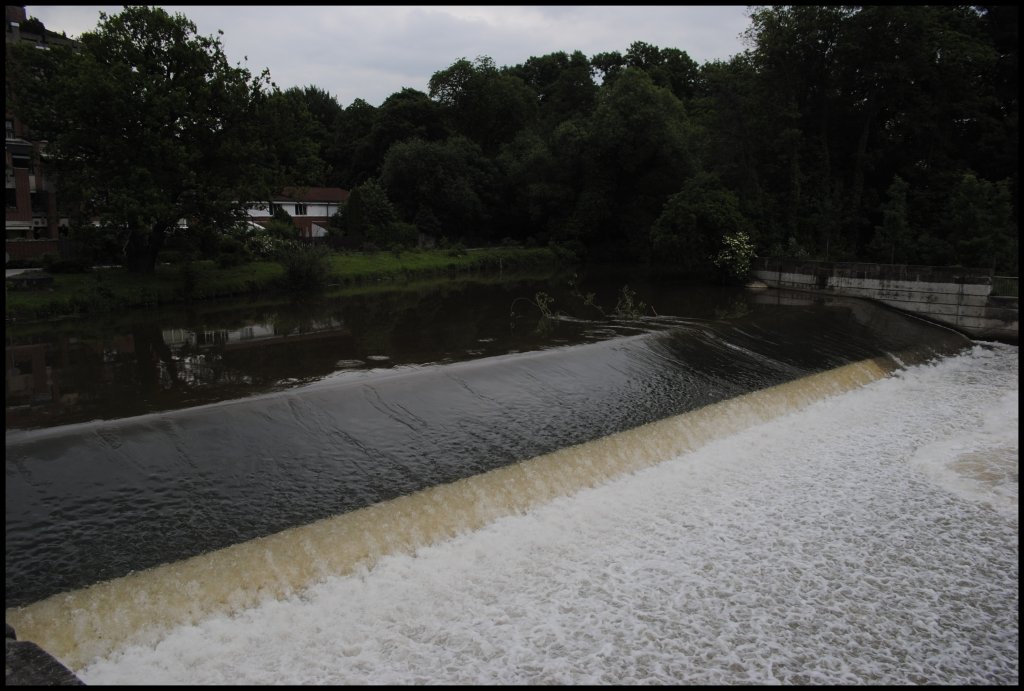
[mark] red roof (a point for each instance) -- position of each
(312, 194)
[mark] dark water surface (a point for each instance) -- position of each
(154, 439)
(111, 367)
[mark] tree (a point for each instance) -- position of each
(452, 180)
(892, 238)
(482, 103)
(352, 156)
(293, 139)
(668, 67)
(641, 147)
(608, 65)
(979, 226)
(407, 114)
(370, 214)
(147, 124)
(563, 84)
(697, 224)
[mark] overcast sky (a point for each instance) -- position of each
(371, 52)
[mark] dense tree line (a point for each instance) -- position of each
(882, 133)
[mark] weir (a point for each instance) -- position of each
(81, 625)
(117, 530)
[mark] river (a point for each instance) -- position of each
(744, 488)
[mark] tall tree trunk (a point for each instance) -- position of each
(860, 157)
(142, 249)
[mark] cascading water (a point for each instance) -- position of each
(118, 531)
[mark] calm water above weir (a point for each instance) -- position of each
(113, 367)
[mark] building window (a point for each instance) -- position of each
(20, 161)
(300, 209)
(272, 208)
(9, 129)
(12, 198)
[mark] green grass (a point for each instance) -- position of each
(111, 290)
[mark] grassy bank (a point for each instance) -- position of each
(114, 289)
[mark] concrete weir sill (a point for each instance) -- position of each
(29, 665)
(953, 296)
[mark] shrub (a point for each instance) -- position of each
(101, 244)
(306, 267)
(232, 252)
(456, 249)
(736, 256)
(263, 246)
(188, 277)
(69, 266)
(282, 230)
(174, 257)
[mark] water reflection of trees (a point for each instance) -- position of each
(77, 371)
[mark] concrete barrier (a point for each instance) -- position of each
(953, 296)
(29, 665)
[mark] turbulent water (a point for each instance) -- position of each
(805, 494)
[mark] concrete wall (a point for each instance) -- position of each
(29, 665)
(953, 296)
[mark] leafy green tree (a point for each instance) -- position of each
(370, 214)
(482, 103)
(693, 226)
(752, 143)
(453, 180)
(407, 114)
(979, 225)
(608, 65)
(563, 85)
(668, 67)
(893, 238)
(880, 91)
(325, 110)
(352, 156)
(147, 124)
(293, 137)
(640, 147)
(535, 196)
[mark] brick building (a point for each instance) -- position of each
(31, 211)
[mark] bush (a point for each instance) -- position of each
(736, 256)
(263, 246)
(226, 260)
(570, 251)
(456, 250)
(232, 252)
(306, 267)
(282, 230)
(174, 257)
(66, 266)
(101, 244)
(188, 278)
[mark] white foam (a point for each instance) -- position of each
(817, 548)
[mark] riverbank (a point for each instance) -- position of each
(112, 289)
